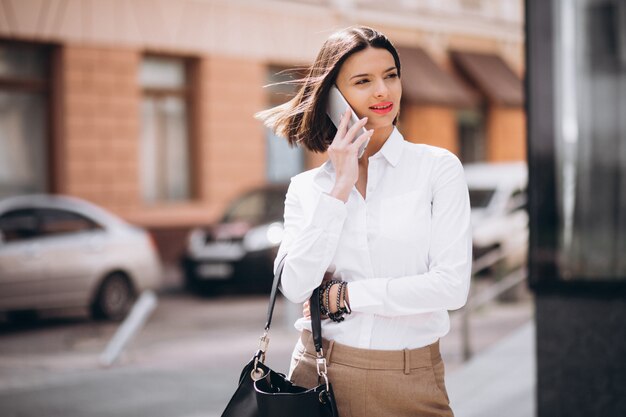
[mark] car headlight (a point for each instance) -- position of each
(263, 237)
(196, 238)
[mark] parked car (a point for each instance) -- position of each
(239, 249)
(63, 252)
(499, 217)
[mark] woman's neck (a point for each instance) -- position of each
(378, 139)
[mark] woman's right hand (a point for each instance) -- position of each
(306, 306)
(343, 154)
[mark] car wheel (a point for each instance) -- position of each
(114, 299)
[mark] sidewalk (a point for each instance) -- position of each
(499, 381)
(187, 360)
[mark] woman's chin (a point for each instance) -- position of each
(382, 126)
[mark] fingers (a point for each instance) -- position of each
(343, 125)
(306, 309)
(345, 136)
(362, 139)
(352, 132)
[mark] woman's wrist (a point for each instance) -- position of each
(341, 192)
(335, 294)
(333, 300)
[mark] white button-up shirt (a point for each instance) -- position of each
(405, 250)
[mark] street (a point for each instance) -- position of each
(184, 363)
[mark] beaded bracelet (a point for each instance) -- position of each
(325, 297)
(325, 301)
(338, 315)
(345, 301)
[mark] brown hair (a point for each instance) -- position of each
(303, 119)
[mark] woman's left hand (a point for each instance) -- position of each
(306, 310)
(306, 306)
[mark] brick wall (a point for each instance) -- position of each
(233, 142)
(99, 125)
(433, 125)
(506, 134)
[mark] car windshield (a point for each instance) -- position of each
(256, 207)
(480, 198)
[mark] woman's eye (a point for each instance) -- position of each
(363, 81)
(392, 75)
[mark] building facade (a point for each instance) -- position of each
(145, 107)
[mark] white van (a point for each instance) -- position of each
(499, 216)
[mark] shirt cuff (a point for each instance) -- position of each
(367, 296)
(330, 213)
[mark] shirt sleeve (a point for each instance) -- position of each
(446, 284)
(310, 242)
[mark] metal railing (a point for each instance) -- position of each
(488, 295)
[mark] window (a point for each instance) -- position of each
(19, 225)
(249, 208)
(28, 223)
(283, 162)
(257, 206)
(471, 128)
(516, 202)
(23, 119)
(59, 222)
(165, 143)
(480, 198)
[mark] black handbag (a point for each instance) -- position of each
(263, 392)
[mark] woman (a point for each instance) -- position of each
(387, 236)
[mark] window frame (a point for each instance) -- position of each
(38, 215)
(191, 94)
(49, 87)
(93, 224)
(31, 211)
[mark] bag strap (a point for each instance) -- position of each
(274, 293)
(316, 323)
(316, 319)
(316, 327)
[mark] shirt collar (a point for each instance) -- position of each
(392, 148)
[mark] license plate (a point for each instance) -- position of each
(214, 271)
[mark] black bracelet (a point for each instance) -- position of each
(327, 297)
(347, 308)
(338, 304)
(325, 301)
(338, 315)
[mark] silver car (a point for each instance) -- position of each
(63, 252)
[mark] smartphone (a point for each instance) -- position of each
(336, 107)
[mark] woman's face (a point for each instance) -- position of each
(369, 80)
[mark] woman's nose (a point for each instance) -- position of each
(381, 89)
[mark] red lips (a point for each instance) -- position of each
(383, 107)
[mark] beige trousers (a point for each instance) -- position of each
(376, 383)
